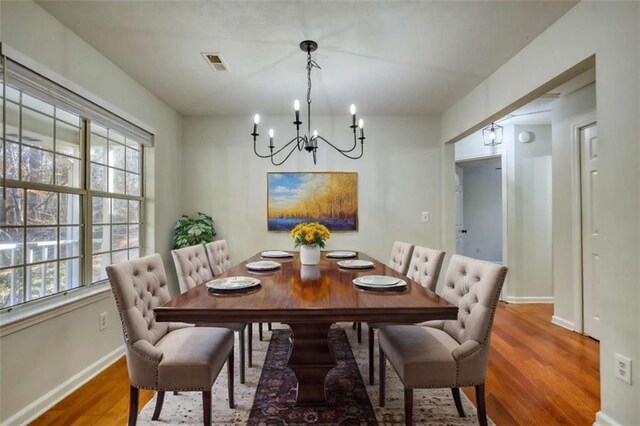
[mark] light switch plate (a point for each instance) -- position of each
(425, 217)
(623, 368)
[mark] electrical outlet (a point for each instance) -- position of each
(623, 368)
(102, 320)
(425, 217)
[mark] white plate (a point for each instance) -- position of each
(233, 283)
(263, 265)
(275, 254)
(355, 264)
(397, 286)
(378, 280)
(342, 254)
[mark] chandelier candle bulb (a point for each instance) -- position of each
(271, 138)
(361, 125)
(353, 115)
(256, 120)
(296, 107)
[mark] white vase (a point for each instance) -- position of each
(310, 254)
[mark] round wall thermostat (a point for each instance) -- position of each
(525, 137)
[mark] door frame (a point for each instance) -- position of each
(503, 163)
(577, 125)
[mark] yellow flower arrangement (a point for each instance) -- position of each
(308, 233)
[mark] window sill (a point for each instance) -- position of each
(30, 314)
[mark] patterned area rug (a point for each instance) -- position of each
(431, 406)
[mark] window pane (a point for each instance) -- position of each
(14, 207)
(13, 94)
(101, 238)
(133, 144)
(98, 265)
(101, 210)
(67, 171)
(134, 253)
(134, 235)
(119, 213)
(11, 246)
(99, 130)
(42, 207)
(119, 256)
(69, 241)
(119, 237)
(116, 137)
(133, 184)
(67, 139)
(37, 104)
(11, 286)
(133, 159)
(12, 121)
(98, 177)
(13, 160)
(134, 211)
(37, 129)
(69, 271)
(42, 244)
(116, 181)
(98, 151)
(69, 209)
(36, 165)
(116, 155)
(42, 280)
(68, 117)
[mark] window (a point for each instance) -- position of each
(71, 189)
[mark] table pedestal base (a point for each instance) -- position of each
(311, 359)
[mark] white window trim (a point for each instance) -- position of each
(29, 314)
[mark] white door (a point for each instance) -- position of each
(460, 231)
(590, 230)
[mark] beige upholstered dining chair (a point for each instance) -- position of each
(220, 261)
(424, 268)
(399, 262)
(193, 269)
(453, 353)
(165, 356)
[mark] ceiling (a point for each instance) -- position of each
(389, 58)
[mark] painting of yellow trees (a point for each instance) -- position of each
(330, 198)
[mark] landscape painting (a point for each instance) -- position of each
(330, 198)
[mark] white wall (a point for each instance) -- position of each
(611, 32)
(482, 206)
(398, 177)
(41, 357)
(566, 112)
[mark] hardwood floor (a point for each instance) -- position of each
(538, 374)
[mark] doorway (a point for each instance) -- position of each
(479, 201)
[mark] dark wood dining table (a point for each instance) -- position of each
(309, 299)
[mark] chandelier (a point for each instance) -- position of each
(308, 141)
(492, 134)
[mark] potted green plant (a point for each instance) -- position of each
(190, 231)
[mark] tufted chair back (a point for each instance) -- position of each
(218, 252)
(192, 266)
(425, 266)
(139, 286)
(400, 256)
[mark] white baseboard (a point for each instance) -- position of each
(603, 419)
(541, 299)
(561, 322)
(48, 400)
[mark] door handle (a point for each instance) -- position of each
(463, 231)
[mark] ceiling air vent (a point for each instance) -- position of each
(215, 61)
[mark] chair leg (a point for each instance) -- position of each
(241, 342)
(482, 411)
(269, 327)
(206, 407)
(354, 325)
(359, 332)
(230, 362)
(260, 331)
(159, 402)
(458, 401)
(371, 366)
(408, 406)
(382, 362)
(133, 405)
(176, 393)
(250, 345)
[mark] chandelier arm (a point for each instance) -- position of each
(255, 150)
(296, 139)
(285, 158)
(343, 152)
